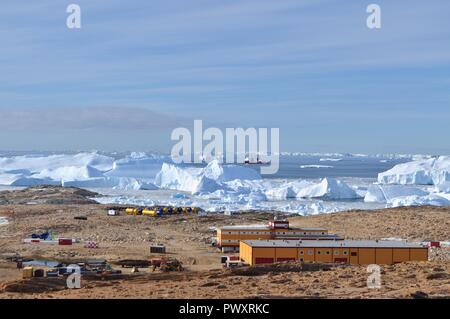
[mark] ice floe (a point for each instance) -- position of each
(330, 159)
(316, 166)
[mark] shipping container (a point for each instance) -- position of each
(39, 273)
(27, 272)
(158, 249)
(65, 241)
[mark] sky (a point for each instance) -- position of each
(137, 69)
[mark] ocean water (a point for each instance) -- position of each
(333, 166)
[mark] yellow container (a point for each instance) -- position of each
(27, 272)
(165, 210)
(184, 210)
(149, 212)
(195, 209)
(131, 211)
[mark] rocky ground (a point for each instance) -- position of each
(187, 238)
(47, 195)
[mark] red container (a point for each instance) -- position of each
(279, 224)
(435, 244)
(65, 241)
(233, 257)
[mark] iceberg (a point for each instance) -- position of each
(441, 170)
(137, 166)
(32, 181)
(80, 170)
(280, 193)
(229, 172)
(203, 180)
(431, 171)
(178, 178)
(69, 173)
(442, 188)
(37, 163)
(388, 193)
(206, 185)
(433, 200)
(328, 188)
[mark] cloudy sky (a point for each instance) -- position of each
(136, 69)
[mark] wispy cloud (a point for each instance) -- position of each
(87, 118)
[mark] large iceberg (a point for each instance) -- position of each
(432, 171)
(203, 180)
(137, 165)
(328, 188)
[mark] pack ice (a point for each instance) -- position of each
(432, 171)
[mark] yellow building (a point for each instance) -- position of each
(331, 251)
(228, 237)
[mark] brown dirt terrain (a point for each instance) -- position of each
(187, 238)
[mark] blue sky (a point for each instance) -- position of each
(136, 69)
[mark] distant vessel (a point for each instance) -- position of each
(248, 161)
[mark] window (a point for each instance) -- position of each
(336, 252)
(304, 233)
(353, 253)
(323, 233)
(327, 252)
(310, 252)
(301, 252)
(345, 252)
(318, 252)
(301, 259)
